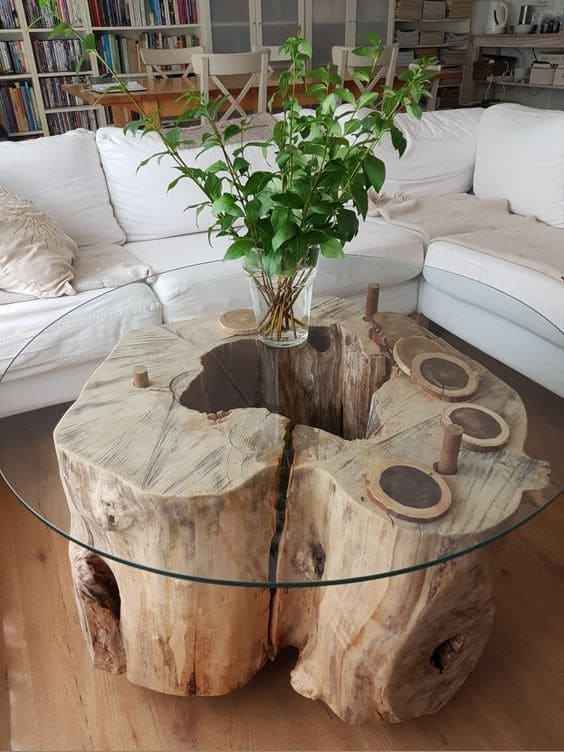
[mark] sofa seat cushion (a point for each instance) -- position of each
(63, 176)
(520, 157)
(85, 334)
(439, 157)
(541, 294)
(207, 284)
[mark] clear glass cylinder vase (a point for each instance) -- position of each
(282, 302)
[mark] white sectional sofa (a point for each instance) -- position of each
(90, 185)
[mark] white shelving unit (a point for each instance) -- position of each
(455, 24)
(508, 42)
(223, 26)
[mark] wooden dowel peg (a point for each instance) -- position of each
(372, 295)
(140, 377)
(452, 438)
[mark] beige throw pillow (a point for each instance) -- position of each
(35, 254)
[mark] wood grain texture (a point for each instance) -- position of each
(209, 470)
(55, 701)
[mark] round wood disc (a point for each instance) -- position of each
(444, 376)
(408, 490)
(484, 430)
(238, 321)
(406, 348)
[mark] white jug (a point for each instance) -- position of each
(497, 18)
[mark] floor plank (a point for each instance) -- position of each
(52, 699)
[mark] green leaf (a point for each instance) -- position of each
(89, 43)
(226, 205)
(345, 94)
(288, 199)
(256, 183)
(360, 196)
(61, 29)
(414, 110)
(218, 166)
(398, 140)
(348, 223)
(239, 248)
(283, 233)
(375, 171)
(240, 165)
(331, 248)
(367, 98)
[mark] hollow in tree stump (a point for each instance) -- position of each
(185, 476)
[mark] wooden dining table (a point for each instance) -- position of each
(165, 97)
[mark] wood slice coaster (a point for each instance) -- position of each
(406, 348)
(239, 321)
(484, 430)
(444, 376)
(408, 490)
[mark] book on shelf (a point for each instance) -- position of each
(407, 38)
(60, 122)
(18, 108)
(8, 15)
(54, 96)
(53, 55)
(452, 56)
(143, 12)
(122, 54)
(12, 57)
(68, 11)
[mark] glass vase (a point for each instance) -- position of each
(282, 303)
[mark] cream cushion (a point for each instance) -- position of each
(439, 156)
(520, 157)
(64, 177)
(35, 254)
(143, 205)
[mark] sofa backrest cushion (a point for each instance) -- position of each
(439, 157)
(520, 158)
(144, 208)
(63, 176)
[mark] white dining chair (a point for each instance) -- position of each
(157, 62)
(212, 68)
(346, 63)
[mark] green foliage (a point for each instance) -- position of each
(323, 161)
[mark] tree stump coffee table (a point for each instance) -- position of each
(236, 486)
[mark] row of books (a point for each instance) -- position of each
(12, 57)
(122, 54)
(60, 122)
(67, 10)
(8, 15)
(143, 12)
(432, 10)
(53, 55)
(54, 96)
(18, 108)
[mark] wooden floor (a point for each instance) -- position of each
(52, 699)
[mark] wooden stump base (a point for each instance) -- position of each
(190, 479)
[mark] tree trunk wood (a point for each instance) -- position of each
(187, 479)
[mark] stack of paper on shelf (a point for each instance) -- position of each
(405, 57)
(409, 10)
(407, 38)
(453, 56)
(432, 38)
(459, 8)
(434, 10)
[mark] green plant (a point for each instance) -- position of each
(324, 165)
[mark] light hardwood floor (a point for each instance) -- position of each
(52, 699)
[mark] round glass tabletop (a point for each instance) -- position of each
(369, 451)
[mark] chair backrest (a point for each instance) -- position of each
(212, 67)
(347, 62)
(429, 103)
(156, 62)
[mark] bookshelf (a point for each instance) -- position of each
(122, 26)
(440, 29)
